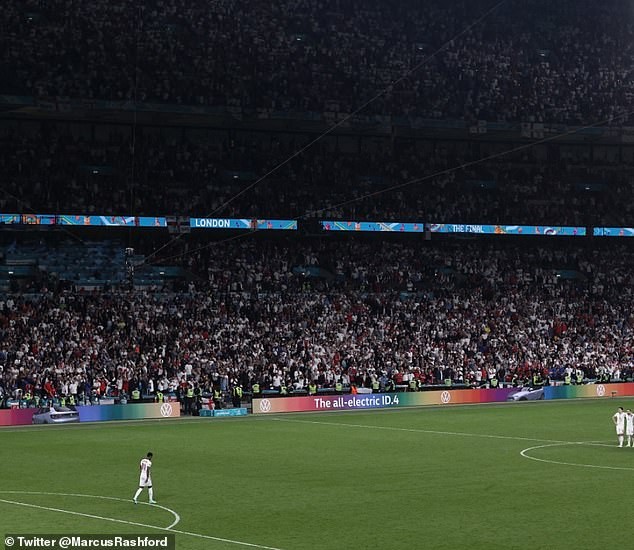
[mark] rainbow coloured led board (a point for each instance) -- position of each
(623, 389)
(351, 402)
(131, 411)
(16, 417)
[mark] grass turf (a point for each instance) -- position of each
(439, 478)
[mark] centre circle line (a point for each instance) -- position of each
(524, 454)
(168, 529)
(177, 518)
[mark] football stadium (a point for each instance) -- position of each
(316, 274)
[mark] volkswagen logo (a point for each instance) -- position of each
(445, 397)
(600, 390)
(166, 409)
(265, 406)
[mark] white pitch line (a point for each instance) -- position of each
(209, 537)
(525, 454)
(177, 518)
(70, 512)
(416, 430)
(99, 424)
(550, 442)
(136, 524)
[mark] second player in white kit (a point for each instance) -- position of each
(629, 427)
(619, 423)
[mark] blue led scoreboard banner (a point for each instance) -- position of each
(144, 221)
(419, 227)
(402, 227)
(83, 220)
(613, 231)
(279, 225)
(242, 223)
(534, 230)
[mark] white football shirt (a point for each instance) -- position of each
(629, 423)
(146, 464)
(619, 418)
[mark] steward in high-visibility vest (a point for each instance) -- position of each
(71, 400)
(136, 394)
(283, 390)
(237, 396)
(375, 386)
(412, 384)
(189, 398)
(160, 397)
(255, 389)
(312, 389)
(447, 381)
(62, 401)
(217, 398)
(494, 382)
(580, 378)
(567, 379)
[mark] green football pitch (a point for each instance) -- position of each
(508, 476)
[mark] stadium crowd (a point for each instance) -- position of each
(567, 61)
(379, 312)
(288, 314)
(54, 171)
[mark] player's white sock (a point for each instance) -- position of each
(138, 492)
(620, 441)
(151, 491)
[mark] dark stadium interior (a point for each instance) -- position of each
(310, 111)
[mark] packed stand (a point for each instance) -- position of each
(55, 171)
(567, 61)
(383, 313)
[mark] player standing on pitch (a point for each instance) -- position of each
(619, 422)
(629, 427)
(145, 478)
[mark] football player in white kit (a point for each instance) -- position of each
(145, 478)
(619, 423)
(629, 427)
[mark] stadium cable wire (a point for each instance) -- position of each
(414, 181)
(138, 22)
(336, 125)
